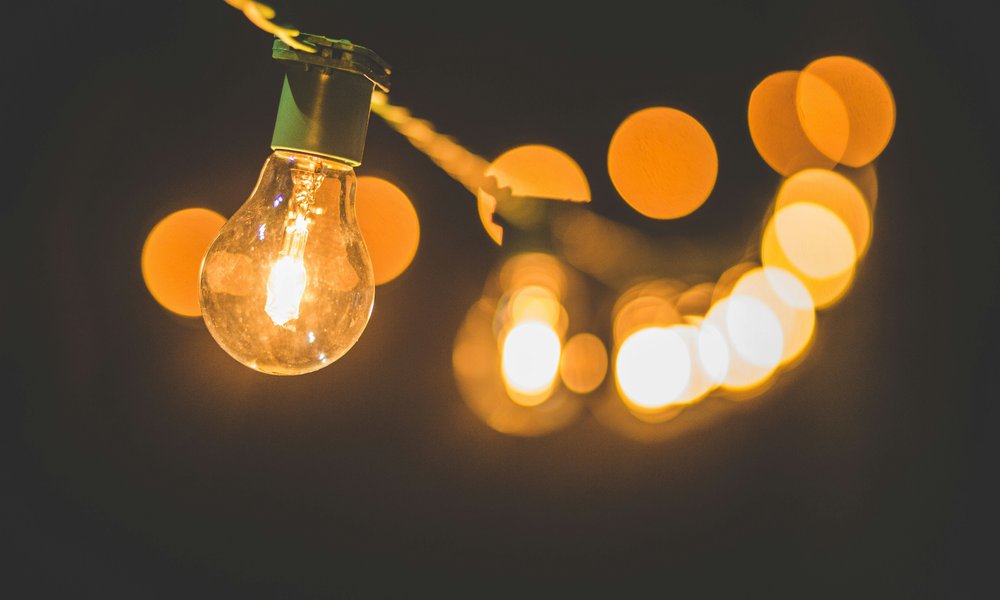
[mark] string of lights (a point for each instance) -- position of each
(533, 353)
(673, 342)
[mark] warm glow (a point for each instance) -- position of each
(871, 110)
(647, 304)
(172, 256)
(754, 331)
(584, 363)
(834, 192)
(776, 130)
(477, 363)
(713, 353)
(752, 336)
(815, 240)
(662, 162)
(789, 301)
(535, 303)
(530, 361)
(389, 226)
(533, 269)
(702, 380)
(824, 291)
(823, 116)
(696, 300)
(531, 172)
(285, 287)
(724, 286)
(653, 368)
(537, 171)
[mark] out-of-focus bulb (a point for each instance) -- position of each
(287, 286)
(530, 361)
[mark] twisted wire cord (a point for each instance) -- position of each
(262, 16)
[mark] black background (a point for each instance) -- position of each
(141, 459)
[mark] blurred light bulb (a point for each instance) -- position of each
(287, 287)
(530, 361)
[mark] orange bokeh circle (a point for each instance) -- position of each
(663, 162)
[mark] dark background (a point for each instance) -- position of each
(138, 458)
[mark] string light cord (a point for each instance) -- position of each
(262, 16)
(459, 163)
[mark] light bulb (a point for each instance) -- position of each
(287, 286)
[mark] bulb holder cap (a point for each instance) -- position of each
(326, 97)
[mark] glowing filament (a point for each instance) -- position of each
(285, 287)
(287, 281)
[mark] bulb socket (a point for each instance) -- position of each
(326, 97)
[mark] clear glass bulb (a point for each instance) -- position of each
(287, 285)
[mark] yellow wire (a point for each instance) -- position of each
(262, 15)
(461, 165)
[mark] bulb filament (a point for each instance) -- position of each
(287, 281)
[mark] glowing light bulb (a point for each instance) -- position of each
(287, 286)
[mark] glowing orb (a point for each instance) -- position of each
(662, 162)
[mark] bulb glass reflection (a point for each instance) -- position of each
(287, 286)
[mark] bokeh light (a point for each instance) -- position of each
(867, 99)
(713, 353)
(815, 240)
(646, 304)
(834, 192)
(532, 303)
(653, 368)
(530, 361)
(789, 301)
(584, 363)
(508, 355)
(172, 255)
(530, 172)
(663, 162)
(753, 337)
(476, 359)
(727, 281)
(776, 130)
(534, 270)
(672, 343)
(696, 300)
(704, 375)
(754, 331)
(389, 225)
(824, 291)
(836, 110)
(823, 115)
